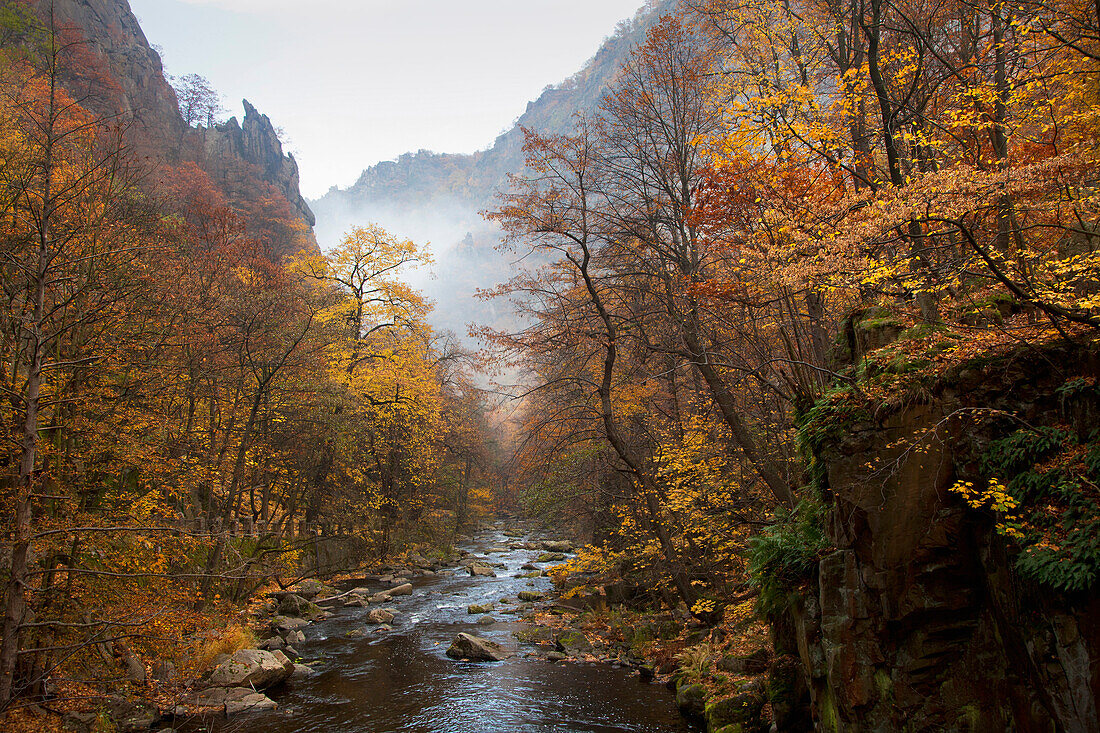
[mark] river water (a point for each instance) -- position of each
(401, 680)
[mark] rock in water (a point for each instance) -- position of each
(478, 569)
(252, 668)
(405, 589)
(476, 649)
(379, 616)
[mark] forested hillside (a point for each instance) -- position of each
(193, 392)
(818, 333)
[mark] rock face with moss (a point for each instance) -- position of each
(962, 591)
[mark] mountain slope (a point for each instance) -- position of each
(436, 197)
(246, 159)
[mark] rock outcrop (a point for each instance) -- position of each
(113, 36)
(919, 620)
(122, 78)
(255, 141)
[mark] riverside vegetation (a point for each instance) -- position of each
(808, 353)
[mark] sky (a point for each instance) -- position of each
(354, 82)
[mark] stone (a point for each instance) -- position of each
(282, 624)
(405, 589)
(379, 616)
(529, 566)
(401, 580)
(573, 643)
(555, 657)
(475, 608)
(529, 596)
(550, 557)
(743, 709)
(275, 642)
(253, 668)
(477, 569)
(301, 671)
(691, 699)
(474, 648)
(378, 598)
(356, 633)
(486, 621)
(309, 589)
(242, 700)
(535, 634)
(295, 605)
(297, 636)
(557, 546)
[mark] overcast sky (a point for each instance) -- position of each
(353, 82)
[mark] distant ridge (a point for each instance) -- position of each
(434, 196)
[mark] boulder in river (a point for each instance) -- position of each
(475, 608)
(405, 589)
(252, 668)
(378, 598)
(529, 596)
(486, 620)
(478, 569)
(301, 671)
(379, 616)
(550, 557)
(476, 649)
(557, 546)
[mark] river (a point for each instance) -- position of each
(401, 680)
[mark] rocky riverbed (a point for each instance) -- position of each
(431, 647)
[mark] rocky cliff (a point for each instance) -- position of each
(129, 83)
(929, 615)
(112, 34)
(255, 141)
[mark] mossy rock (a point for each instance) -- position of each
(573, 642)
(743, 710)
(692, 701)
(550, 557)
(534, 634)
